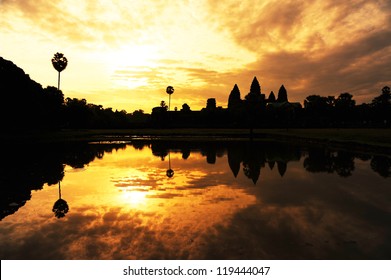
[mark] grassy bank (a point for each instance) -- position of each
(370, 138)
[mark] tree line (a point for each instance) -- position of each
(26, 104)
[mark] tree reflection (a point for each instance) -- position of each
(344, 164)
(211, 155)
(381, 165)
(159, 149)
(169, 172)
(60, 207)
(185, 153)
(323, 160)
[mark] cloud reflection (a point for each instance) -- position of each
(124, 206)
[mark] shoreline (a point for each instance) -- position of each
(377, 140)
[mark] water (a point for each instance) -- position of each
(193, 200)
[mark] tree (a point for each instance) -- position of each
(282, 95)
(345, 101)
(163, 105)
(381, 106)
(316, 103)
(386, 90)
(384, 99)
(318, 110)
(185, 108)
(169, 91)
(330, 101)
(344, 109)
(52, 106)
(59, 62)
(53, 97)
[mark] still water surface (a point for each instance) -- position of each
(194, 200)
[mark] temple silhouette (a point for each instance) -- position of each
(254, 110)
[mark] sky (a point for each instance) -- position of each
(123, 54)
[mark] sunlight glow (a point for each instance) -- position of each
(132, 55)
(126, 50)
(134, 198)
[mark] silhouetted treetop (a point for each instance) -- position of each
(384, 99)
(59, 62)
(386, 90)
(185, 108)
(345, 101)
(316, 102)
(163, 105)
(170, 90)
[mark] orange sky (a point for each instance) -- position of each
(123, 54)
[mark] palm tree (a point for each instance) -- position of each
(59, 62)
(169, 90)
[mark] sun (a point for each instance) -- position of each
(134, 198)
(128, 65)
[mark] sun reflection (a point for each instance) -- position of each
(134, 197)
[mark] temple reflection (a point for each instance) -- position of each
(226, 199)
(38, 165)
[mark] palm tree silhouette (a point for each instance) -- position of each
(59, 62)
(169, 90)
(60, 207)
(169, 172)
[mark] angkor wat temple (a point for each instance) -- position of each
(255, 110)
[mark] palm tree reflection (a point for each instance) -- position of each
(60, 207)
(169, 172)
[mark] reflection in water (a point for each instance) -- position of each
(169, 171)
(226, 201)
(321, 160)
(60, 207)
(381, 165)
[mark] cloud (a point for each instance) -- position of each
(287, 25)
(360, 67)
(317, 47)
(131, 49)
